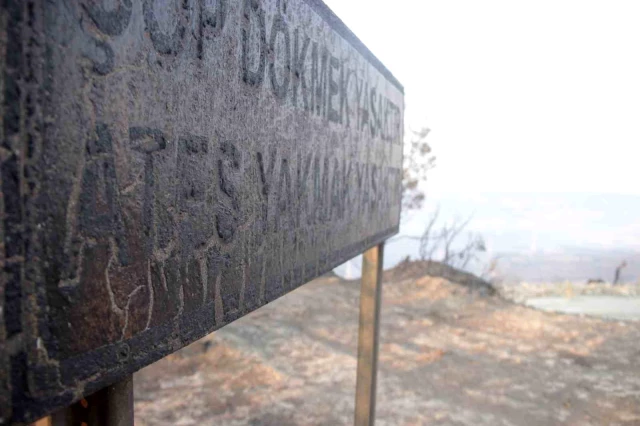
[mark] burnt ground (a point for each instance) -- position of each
(447, 357)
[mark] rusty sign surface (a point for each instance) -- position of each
(168, 166)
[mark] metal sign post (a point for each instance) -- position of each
(368, 335)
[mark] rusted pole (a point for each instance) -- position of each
(368, 333)
(111, 406)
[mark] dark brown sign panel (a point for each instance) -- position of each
(169, 166)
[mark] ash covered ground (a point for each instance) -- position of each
(449, 355)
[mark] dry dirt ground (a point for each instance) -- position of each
(447, 357)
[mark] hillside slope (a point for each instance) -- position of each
(448, 356)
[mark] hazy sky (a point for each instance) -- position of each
(520, 96)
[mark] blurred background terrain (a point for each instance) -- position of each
(451, 353)
(536, 237)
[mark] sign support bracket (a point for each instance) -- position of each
(111, 406)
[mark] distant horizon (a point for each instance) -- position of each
(534, 224)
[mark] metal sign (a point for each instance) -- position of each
(169, 166)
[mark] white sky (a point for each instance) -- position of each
(520, 95)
